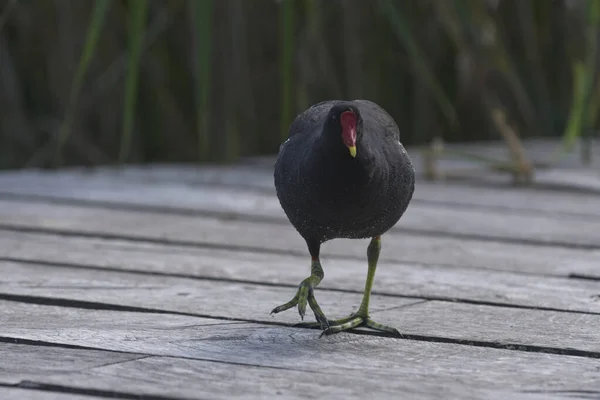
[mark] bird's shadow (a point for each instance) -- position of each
(278, 346)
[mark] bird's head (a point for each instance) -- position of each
(344, 121)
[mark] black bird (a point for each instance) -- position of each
(342, 173)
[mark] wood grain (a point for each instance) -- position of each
(192, 186)
(420, 217)
(250, 302)
(180, 378)
(204, 231)
(7, 393)
(546, 153)
(22, 361)
(199, 379)
(425, 281)
(179, 295)
(376, 358)
(158, 282)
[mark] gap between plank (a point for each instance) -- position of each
(580, 394)
(258, 283)
(109, 394)
(442, 203)
(250, 249)
(140, 356)
(270, 191)
(422, 338)
(228, 247)
(42, 343)
(584, 277)
(52, 199)
(228, 215)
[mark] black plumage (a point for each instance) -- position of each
(328, 193)
(325, 192)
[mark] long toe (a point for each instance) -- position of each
(382, 328)
(351, 323)
(355, 321)
(305, 295)
(285, 306)
(319, 315)
(304, 292)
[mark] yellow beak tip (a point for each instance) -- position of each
(352, 150)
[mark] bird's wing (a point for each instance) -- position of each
(312, 118)
(378, 119)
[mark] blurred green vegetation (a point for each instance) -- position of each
(107, 81)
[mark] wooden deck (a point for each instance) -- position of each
(157, 283)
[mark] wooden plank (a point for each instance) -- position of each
(542, 150)
(555, 170)
(177, 378)
(236, 183)
(420, 217)
(23, 361)
(586, 180)
(179, 295)
(423, 281)
(7, 393)
(381, 360)
(105, 330)
(502, 198)
(464, 322)
(576, 178)
(197, 230)
(198, 379)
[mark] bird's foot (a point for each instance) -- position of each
(304, 295)
(355, 320)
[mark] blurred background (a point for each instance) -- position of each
(113, 81)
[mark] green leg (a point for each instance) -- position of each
(305, 294)
(361, 317)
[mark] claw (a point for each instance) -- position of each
(382, 328)
(355, 321)
(303, 292)
(285, 306)
(305, 295)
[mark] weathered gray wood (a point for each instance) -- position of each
(499, 325)
(540, 151)
(586, 180)
(571, 176)
(224, 357)
(433, 282)
(509, 199)
(156, 334)
(242, 301)
(195, 379)
(21, 361)
(245, 301)
(381, 360)
(397, 247)
(7, 393)
(198, 379)
(544, 151)
(195, 191)
(420, 217)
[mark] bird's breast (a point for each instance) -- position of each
(326, 199)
